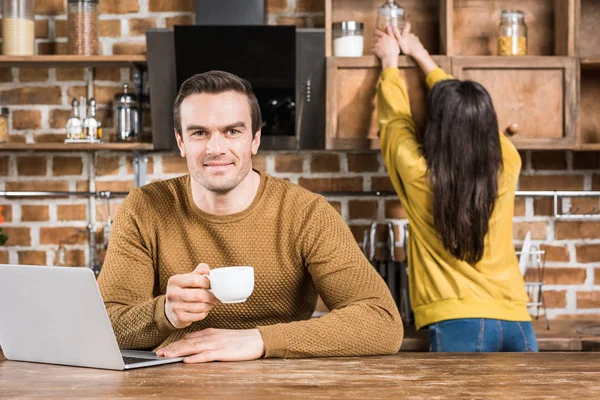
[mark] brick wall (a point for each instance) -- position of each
(53, 231)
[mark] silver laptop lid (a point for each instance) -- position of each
(55, 315)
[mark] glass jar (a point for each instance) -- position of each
(390, 14)
(126, 116)
(348, 39)
(18, 27)
(512, 37)
(3, 125)
(82, 24)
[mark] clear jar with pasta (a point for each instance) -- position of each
(82, 21)
(512, 36)
(18, 27)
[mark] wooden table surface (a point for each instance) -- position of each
(403, 376)
(563, 335)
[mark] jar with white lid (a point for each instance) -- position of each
(348, 39)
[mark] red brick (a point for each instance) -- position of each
(382, 183)
(596, 276)
(75, 258)
(130, 169)
(337, 206)
(289, 162)
(38, 185)
(58, 118)
(558, 276)
(300, 22)
(108, 74)
(4, 166)
(102, 212)
(310, 6)
(543, 206)
(172, 5)
(586, 160)
(61, 28)
(17, 236)
(174, 164)
(394, 210)
(33, 74)
(555, 253)
(4, 257)
(31, 166)
(118, 6)
(6, 75)
(555, 298)
(49, 138)
(551, 182)
(519, 206)
(259, 162)
(41, 28)
(76, 92)
(14, 138)
(549, 160)
(34, 213)
(325, 162)
(109, 28)
(105, 94)
(63, 235)
(332, 184)
(115, 186)
(50, 7)
(362, 209)
(49, 48)
(32, 95)
(576, 230)
(7, 212)
(363, 162)
(588, 253)
(107, 166)
(69, 74)
(82, 186)
(67, 166)
(275, 6)
(593, 317)
(179, 20)
(27, 119)
(588, 299)
(129, 48)
(537, 229)
(139, 26)
(71, 212)
(28, 257)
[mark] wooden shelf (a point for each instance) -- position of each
(72, 61)
(589, 147)
(76, 147)
(590, 63)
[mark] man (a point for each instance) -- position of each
(168, 235)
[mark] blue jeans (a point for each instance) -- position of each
(481, 335)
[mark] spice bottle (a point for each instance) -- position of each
(18, 27)
(3, 125)
(390, 14)
(74, 126)
(90, 125)
(83, 27)
(512, 37)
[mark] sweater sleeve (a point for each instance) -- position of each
(128, 277)
(364, 319)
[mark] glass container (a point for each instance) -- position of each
(126, 116)
(512, 36)
(82, 21)
(18, 27)
(348, 39)
(390, 14)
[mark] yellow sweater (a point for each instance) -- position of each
(441, 286)
(298, 245)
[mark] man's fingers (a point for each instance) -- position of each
(202, 269)
(183, 348)
(204, 357)
(193, 295)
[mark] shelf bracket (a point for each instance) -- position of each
(140, 167)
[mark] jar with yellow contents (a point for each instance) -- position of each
(512, 38)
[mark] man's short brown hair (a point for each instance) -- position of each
(215, 82)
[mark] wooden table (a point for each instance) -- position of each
(402, 376)
(563, 335)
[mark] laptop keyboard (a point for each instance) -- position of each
(134, 360)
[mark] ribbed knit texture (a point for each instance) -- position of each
(298, 245)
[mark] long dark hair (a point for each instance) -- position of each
(461, 144)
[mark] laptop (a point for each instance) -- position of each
(56, 315)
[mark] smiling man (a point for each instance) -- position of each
(168, 236)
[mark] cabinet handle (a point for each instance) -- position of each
(512, 129)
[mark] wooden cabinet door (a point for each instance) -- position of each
(538, 94)
(351, 99)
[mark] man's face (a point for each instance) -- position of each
(216, 139)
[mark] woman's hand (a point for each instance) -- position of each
(408, 42)
(385, 46)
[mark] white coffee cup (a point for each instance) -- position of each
(232, 284)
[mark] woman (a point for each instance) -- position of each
(457, 183)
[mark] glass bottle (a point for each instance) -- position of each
(82, 21)
(512, 37)
(390, 14)
(18, 27)
(126, 116)
(3, 125)
(74, 126)
(348, 40)
(91, 124)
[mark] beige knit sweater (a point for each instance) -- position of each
(298, 245)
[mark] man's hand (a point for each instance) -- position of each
(188, 299)
(385, 46)
(217, 345)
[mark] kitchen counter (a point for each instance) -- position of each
(563, 335)
(408, 375)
